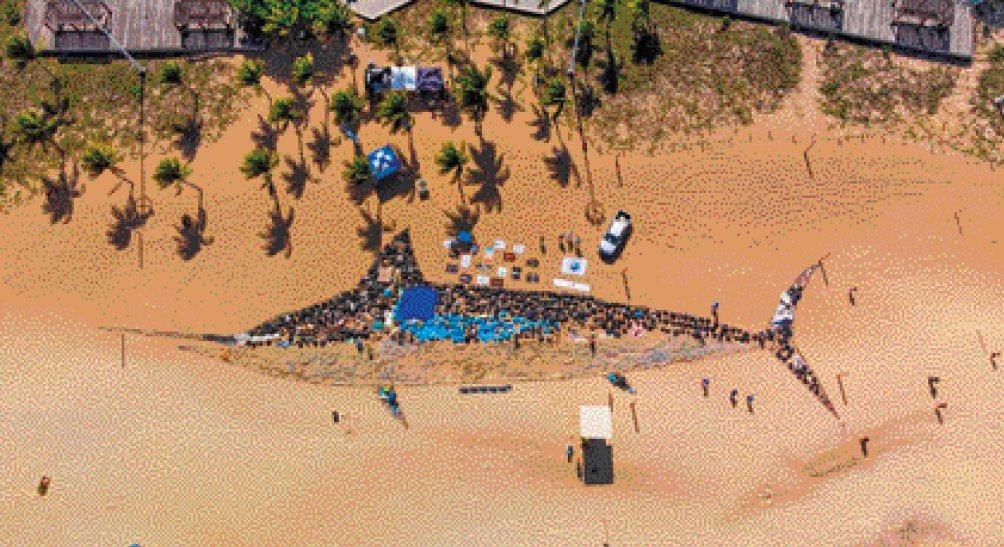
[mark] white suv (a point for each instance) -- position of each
(613, 239)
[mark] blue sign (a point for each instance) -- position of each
(384, 162)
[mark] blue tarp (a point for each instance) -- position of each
(417, 303)
(384, 162)
(452, 327)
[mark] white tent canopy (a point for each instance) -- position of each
(595, 422)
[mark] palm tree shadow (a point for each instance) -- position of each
(450, 113)
(508, 107)
(320, 147)
(489, 174)
(297, 177)
(267, 136)
(277, 235)
(59, 195)
(126, 220)
(560, 165)
(188, 137)
(542, 123)
(463, 220)
(191, 236)
(372, 232)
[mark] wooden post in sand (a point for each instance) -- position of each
(624, 278)
(610, 401)
(840, 384)
(958, 224)
(805, 155)
(822, 270)
(937, 412)
(606, 533)
(634, 417)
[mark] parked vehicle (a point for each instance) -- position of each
(616, 235)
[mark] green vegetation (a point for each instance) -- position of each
(866, 87)
(985, 129)
(285, 21)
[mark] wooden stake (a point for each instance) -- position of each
(840, 384)
(610, 401)
(983, 345)
(805, 155)
(140, 236)
(958, 224)
(606, 534)
(822, 270)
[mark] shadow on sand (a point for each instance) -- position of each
(59, 195)
(267, 136)
(372, 231)
(489, 174)
(277, 234)
(188, 138)
(560, 165)
(543, 124)
(297, 177)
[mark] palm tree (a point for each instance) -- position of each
(59, 195)
(260, 163)
(608, 12)
(22, 51)
(387, 35)
(37, 128)
(439, 31)
(640, 13)
(347, 106)
(394, 113)
(587, 46)
(333, 20)
(287, 111)
(358, 177)
(453, 158)
(473, 93)
(305, 76)
(96, 160)
(173, 76)
(545, 5)
(191, 232)
(555, 94)
(5, 146)
(249, 75)
(501, 31)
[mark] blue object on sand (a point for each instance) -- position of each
(465, 237)
(417, 303)
(384, 162)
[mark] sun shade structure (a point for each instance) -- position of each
(202, 14)
(418, 303)
(64, 15)
(403, 78)
(384, 162)
(595, 422)
(925, 11)
(430, 79)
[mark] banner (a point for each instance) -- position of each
(573, 266)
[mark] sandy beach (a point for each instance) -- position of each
(176, 448)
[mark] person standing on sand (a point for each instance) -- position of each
(561, 242)
(592, 344)
(369, 350)
(850, 295)
(43, 485)
(569, 452)
(705, 385)
(714, 312)
(334, 416)
(749, 404)
(734, 397)
(543, 249)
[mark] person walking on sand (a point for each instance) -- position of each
(43, 485)
(714, 312)
(561, 242)
(749, 404)
(734, 397)
(850, 295)
(543, 249)
(569, 452)
(369, 350)
(592, 344)
(578, 245)
(704, 385)
(335, 416)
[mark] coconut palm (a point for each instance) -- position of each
(59, 195)
(347, 107)
(260, 163)
(358, 176)
(191, 232)
(586, 43)
(98, 159)
(501, 32)
(473, 95)
(440, 31)
(333, 20)
(388, 35)
(608, 12)
(555, 94)
(305, 76)
(640, 14)
(249, 75)
(173, 76)
(394, 113)
(21, 50)
(38, 129)
(645, 47)
(453, 159)
(126, 220)
(287, 111)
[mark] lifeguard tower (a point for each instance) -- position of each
(597, 464)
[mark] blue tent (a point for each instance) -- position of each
(384, 162)
(417, 303)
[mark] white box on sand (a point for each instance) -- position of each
(595, 422)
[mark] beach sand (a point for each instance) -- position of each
(179, 449)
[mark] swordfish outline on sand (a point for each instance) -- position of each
(781, 323)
